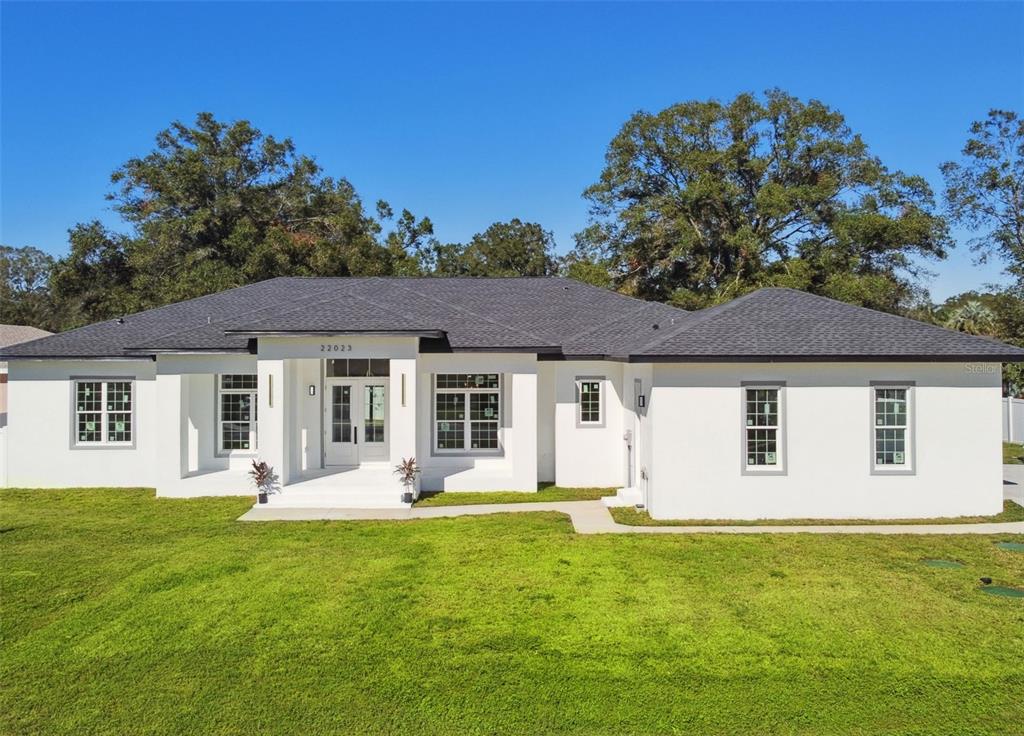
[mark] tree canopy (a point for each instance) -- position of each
(217, 205)
(512, 248)
(985, 190)
(706, 200)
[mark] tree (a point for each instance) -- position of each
(985, 190)
(217, 205)
(513, 248)
(96, 280)
(973, 318)
(24, 288)
(706, 200)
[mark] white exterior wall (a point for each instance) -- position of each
(588, 457)
(696, 430)
(546, 375)
(40, 446)
(291, 422)
(635, 419)
(515, 468)
(188, 460)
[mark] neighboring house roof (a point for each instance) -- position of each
(14, 334)
(553, 317)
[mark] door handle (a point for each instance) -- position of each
(355, 435)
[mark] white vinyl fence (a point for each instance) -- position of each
(1013, 420)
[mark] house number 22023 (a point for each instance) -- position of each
(334, 348)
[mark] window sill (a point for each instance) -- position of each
(463, 454)
(762, 470)
(891, 470)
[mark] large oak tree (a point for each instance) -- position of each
(705, 200)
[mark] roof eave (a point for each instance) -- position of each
(335, 333)
(852, 358)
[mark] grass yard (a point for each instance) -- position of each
(1013, 454)
(124, 614)
(546, 492)
(627, 515)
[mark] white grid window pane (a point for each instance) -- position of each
(238, 411)
(238, 381)
(467, 380)
(761, 417)
(762, 447)
(450, 415)
(341, 413)
(763, 407)
(891, 426)
(235, 435)
(90, 427)
(89, 396)
(590, 402)
(103, 412)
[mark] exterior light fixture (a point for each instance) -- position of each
(641, 401)
(312, 389)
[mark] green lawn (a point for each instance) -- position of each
(1013, 454)
(122, 614)
(546, 492)
(629, 515)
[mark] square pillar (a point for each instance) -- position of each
(272, 377)
(402, 409)
(172, 461)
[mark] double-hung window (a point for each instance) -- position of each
(236, 412)
(467, 412)
(892, 430)
(103, 412)
(589, 412)
(763, 438)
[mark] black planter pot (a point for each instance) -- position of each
(261, 497)
(407, 497)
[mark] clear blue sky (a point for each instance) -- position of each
(471, 113)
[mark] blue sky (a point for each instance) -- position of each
(472, 113)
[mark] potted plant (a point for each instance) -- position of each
(263, 478)
(407, 470)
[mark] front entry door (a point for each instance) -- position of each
(355, 421)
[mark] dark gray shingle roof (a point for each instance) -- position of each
(558, 316)
(780, 324)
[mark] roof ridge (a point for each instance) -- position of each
(222, 320)
(156, 309)
(543, 340)
(697, 318)
(349, 294)
(877, 312)
(604, 325)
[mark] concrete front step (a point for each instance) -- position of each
(624, 497)
(349, 498)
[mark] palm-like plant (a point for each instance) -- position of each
(972, 317)
(407, 470)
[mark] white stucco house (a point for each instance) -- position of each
(777, 404)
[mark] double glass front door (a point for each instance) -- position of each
(355, 420)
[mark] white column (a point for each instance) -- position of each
(402, 409)
(171, 430)
(524, 430)
(272, 377)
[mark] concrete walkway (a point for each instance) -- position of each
(592, 517)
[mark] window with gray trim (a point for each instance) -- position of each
(892, 427)
(467, 412)
(103, 412)
(762, 419)
(237, 412)
(588, 401)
